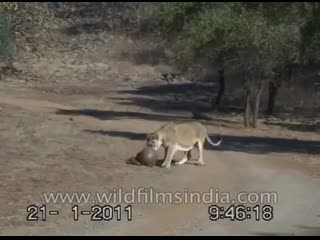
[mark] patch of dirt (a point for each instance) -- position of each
(85, 148)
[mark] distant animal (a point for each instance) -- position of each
(147, 157)
(180, 136)
(200, 116)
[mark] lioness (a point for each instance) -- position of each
(180, 137)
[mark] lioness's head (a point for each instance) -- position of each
(154, 140)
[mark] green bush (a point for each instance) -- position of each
(6, 37)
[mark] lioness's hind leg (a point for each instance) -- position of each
(200, 149)
(187, 156)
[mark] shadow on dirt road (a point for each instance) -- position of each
(117, 115)
(196, 96)
(262, 145)
(298, 127)
(129, 135)
(245, 144)
(180, 97)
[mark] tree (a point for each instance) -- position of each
(309, 48)
(6, 34)
(252, 37)
(310, 33)
(6, 37)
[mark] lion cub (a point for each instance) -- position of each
(180, 137)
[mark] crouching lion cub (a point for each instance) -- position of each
(180, 137)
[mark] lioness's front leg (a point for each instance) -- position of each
(169, 155)
(165, 153)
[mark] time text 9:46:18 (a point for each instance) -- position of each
(241, 212)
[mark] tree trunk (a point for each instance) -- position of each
(273, 91)
(289, 73)
(256, 105)
(137, 8)
(217, 101)
(103, 15)
(247, 111)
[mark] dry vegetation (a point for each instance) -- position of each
(112, 69)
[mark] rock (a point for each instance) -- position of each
(147, 157)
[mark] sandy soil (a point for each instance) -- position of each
(84, 150)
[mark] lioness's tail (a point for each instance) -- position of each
(212, 143)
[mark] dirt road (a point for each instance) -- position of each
(81, 153)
